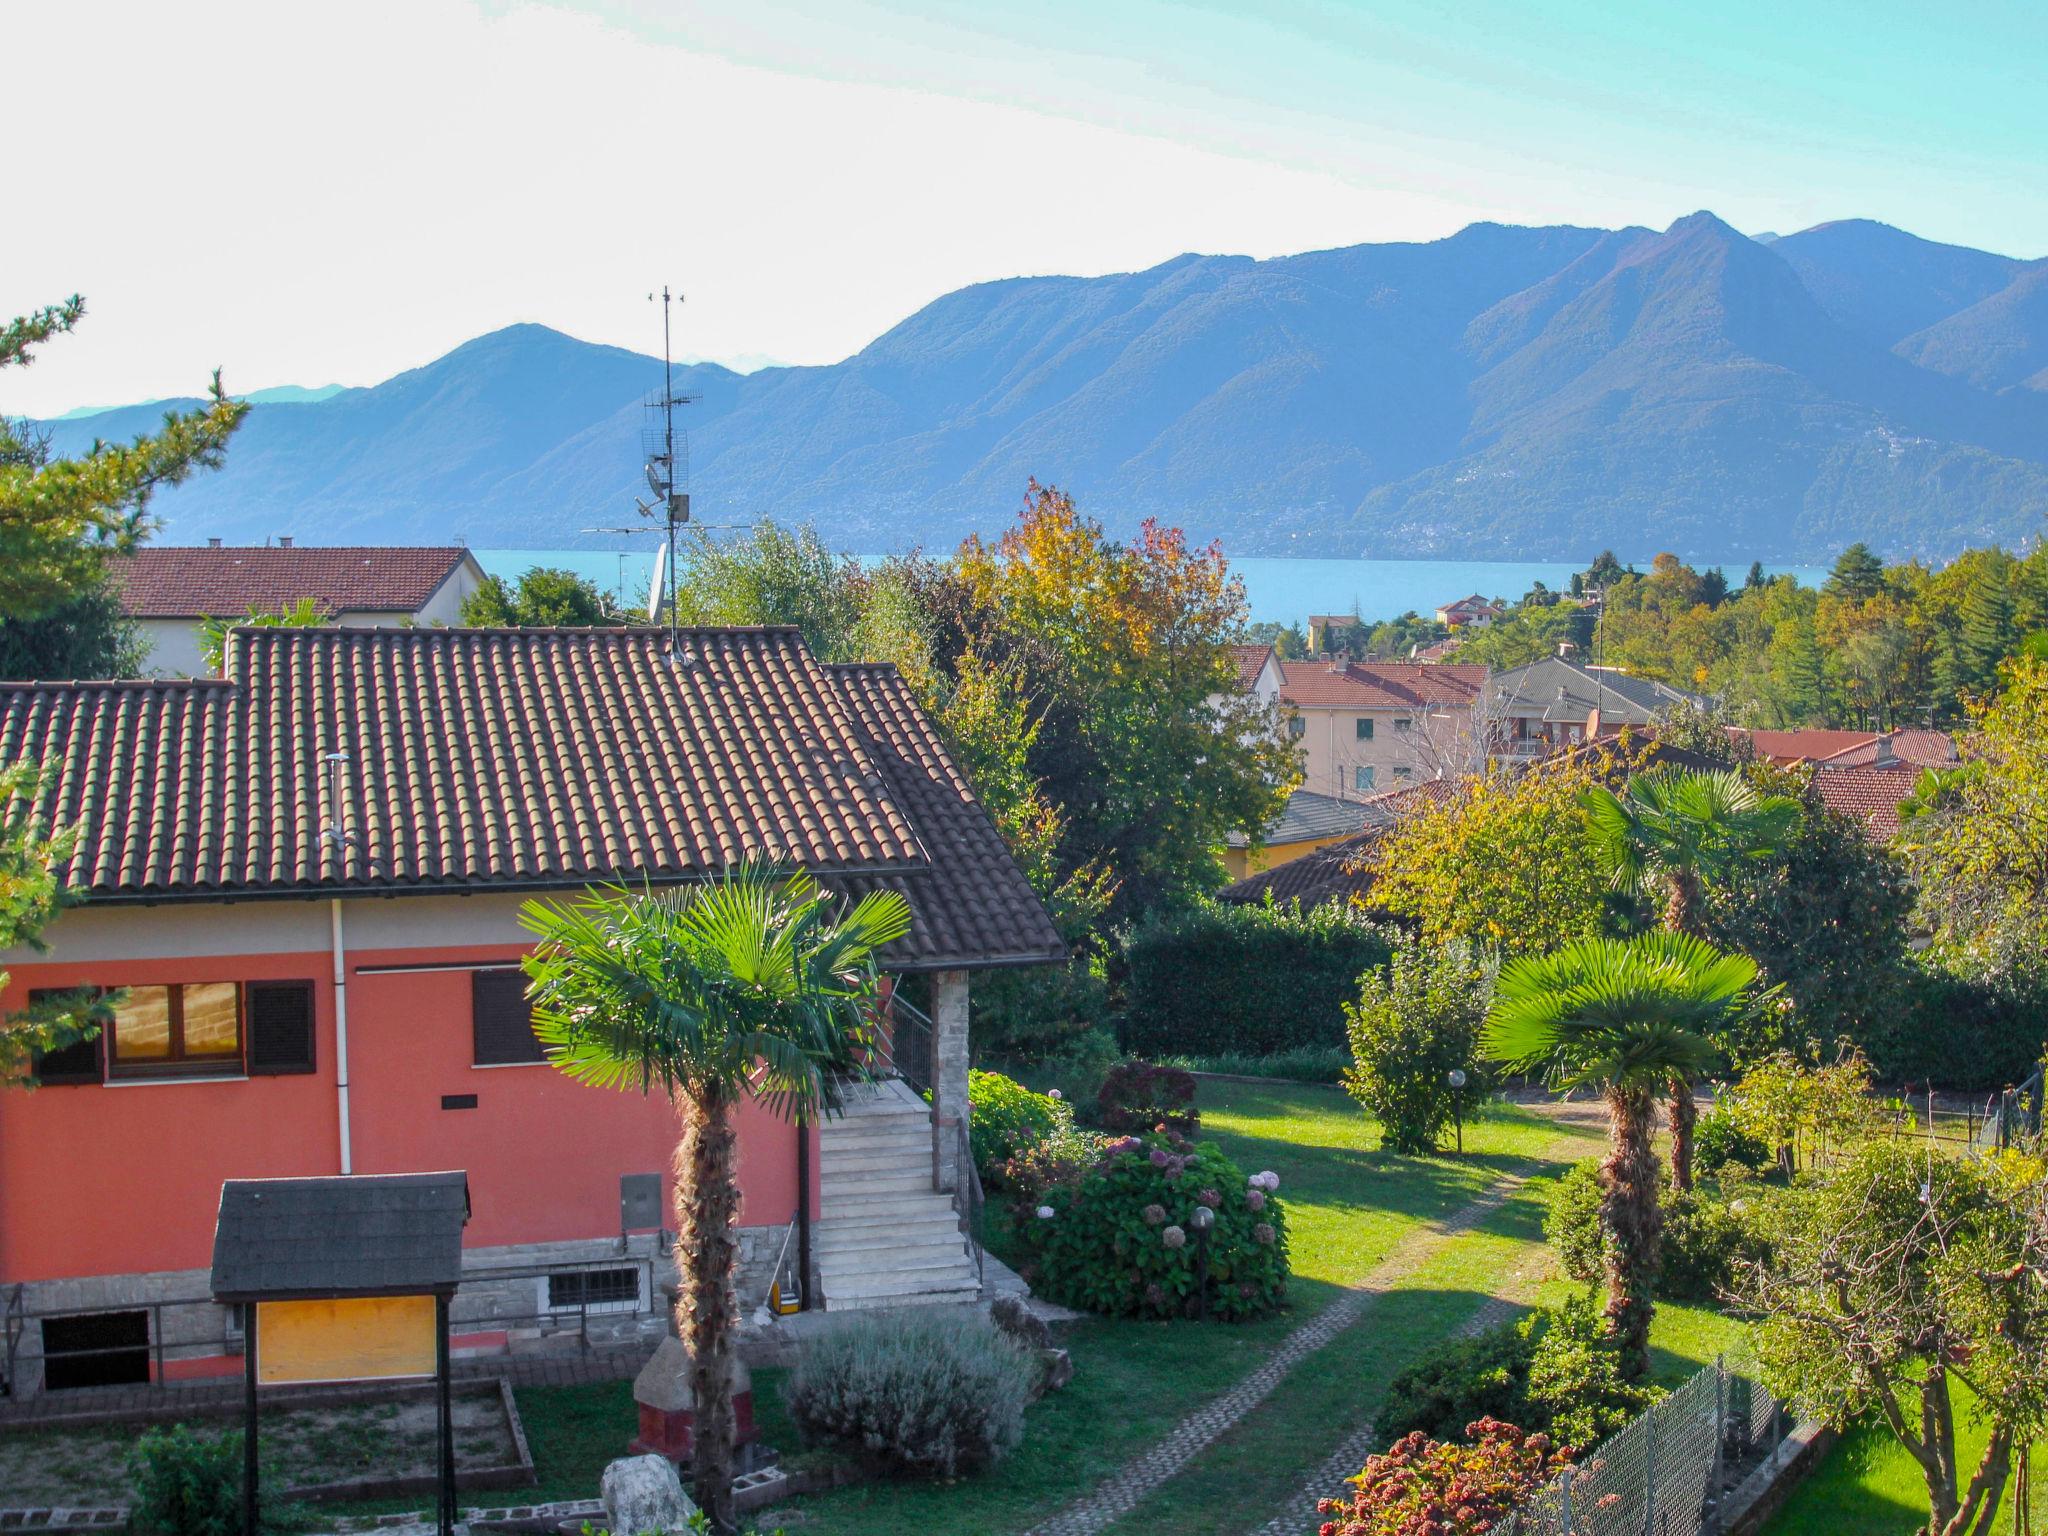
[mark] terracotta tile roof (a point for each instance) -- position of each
(1870, 794)
(1785, 747)
(163, 581)
(1379, 684)
(478, 758)
(1251, 661)
(974, 906)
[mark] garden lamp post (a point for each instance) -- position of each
(1456, 1078)
(1202, 1220)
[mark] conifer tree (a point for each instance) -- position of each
(61, 518)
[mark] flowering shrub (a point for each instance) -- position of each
(1137, 1096)
(1122, 1239)
(1058, 1161)
(1424, 1487)
(1004, 1117)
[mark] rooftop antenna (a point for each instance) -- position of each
(667, 452)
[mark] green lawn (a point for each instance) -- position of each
(1869, 1486)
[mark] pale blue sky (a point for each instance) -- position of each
(385, 179)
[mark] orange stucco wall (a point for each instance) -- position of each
(126, 1179)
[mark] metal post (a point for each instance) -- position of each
(443, 1371)
(1720, 1428)
(1564, 1495)
(803, 1213)
(249, 1493)
(156, 1337)
(1650, 1472)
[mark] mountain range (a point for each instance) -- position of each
(1532, 393)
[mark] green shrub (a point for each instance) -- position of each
(1414, 1025)
(187, 1483)
(1249, 980)
(1459, 1381)
(1703, 1235)
(1956, 1030)
(1058, 1161)
(1138, 1096)
(1721, 1141)
(1004, 1117)
(1576, 1387)
(1302, 1064)
(1571, 1222)
(909, 1392)
(1121, 1239)
(1555, 1370)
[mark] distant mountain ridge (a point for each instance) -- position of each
(1508, 392)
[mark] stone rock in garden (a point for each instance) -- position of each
(642, 1495)
(1057, 1368)
(1013, 1317)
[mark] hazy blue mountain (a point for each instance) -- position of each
(1506, 391)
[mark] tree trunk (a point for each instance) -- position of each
(1685, 1114)
(1629, 1212)
(1682, 903)
(707, 1207)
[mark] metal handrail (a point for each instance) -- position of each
(968, 1198)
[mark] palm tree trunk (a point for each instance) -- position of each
(707, 1208)
(1684, 1111)
(1682, 903)
(1630, 1215)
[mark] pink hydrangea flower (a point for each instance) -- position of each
(1174, 1237)
(1264, 1232)
(1154, 1215)
(1256, 1199)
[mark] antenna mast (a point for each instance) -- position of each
(668, 470)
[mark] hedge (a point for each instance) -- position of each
(1247, 979)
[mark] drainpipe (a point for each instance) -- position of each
(803, 1211)
(341, 1035)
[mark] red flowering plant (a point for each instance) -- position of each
(1125, 1238)
(1425, 1487)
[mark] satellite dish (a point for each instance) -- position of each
(654, 481)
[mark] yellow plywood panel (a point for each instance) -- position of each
(349, 1340)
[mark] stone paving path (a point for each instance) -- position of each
(1122, 1490)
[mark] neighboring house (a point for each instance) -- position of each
(1557, 703)
(1852, 749)
(1336, 871)
(1436, 650)
(169, 590)
(1307, 822)
(1871, 793)
(1366, 727)
(320, 858)
(1322, 626)
(1258, 672)
(1473, 612)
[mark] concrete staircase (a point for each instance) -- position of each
(884, 1237)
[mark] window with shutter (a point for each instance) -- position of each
(501, 1020)
(78, 1062)
(280, 1027)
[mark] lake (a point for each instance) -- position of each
(1287, 591)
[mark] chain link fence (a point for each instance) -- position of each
(1662, 1474)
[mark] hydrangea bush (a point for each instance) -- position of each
(1424, 1487)
(1004, 1117)
(1123, 1238)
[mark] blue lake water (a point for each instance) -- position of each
(1280, 589)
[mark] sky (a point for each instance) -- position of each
(316, 193)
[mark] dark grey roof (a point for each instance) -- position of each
(392, 1234)
(1554, 688)
(1308, 816)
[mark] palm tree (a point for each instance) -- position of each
(1625, 1016)
(1676, 832)
(753, 986)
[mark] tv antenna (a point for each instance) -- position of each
(667, 452)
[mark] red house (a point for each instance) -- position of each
(305, 876)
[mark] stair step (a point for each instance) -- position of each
(865, 1265)
(880, 1128)
(861, 1164)
(894, 1181)
(883, 1224)
(903, 1293)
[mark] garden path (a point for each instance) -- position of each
(1125, 1488)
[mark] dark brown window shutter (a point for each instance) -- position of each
(280, 1027)
(78, 1062)
(502, 1021)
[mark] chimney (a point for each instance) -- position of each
(213, 543)
(284, 541)
(1885, 756)
(1566, 650)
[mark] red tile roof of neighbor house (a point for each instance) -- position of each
(175, 582)
(482, 759)
(1870, 794)
(1251, 661)
(1851, 749)
(1379, 684)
